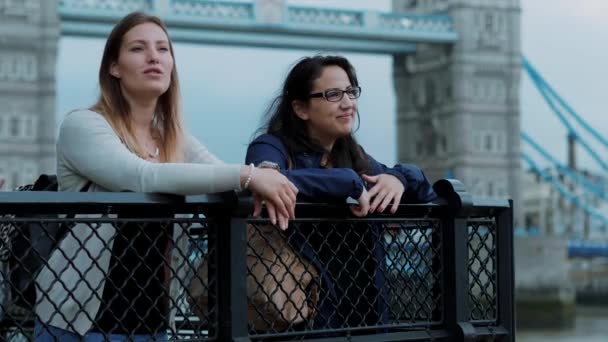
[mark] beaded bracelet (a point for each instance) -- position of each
(251, 167)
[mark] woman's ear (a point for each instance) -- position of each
(114, 70)
(300, 108)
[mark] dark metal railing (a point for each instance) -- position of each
(439, 271)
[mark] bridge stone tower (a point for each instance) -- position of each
(458, 106)
(28, 49)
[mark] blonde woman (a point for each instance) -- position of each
(132, 139)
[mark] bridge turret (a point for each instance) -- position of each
(458, 106)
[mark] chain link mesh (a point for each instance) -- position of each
(348, 274)
(482, 268)
(149, 267)
(320, 277)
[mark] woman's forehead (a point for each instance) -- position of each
(332, 76)
(145, 32)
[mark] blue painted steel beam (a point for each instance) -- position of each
(577, 177)
(244, 23)
(587, 249)
(564, 192)
(549, 96)
(530, 69)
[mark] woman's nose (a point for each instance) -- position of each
(347, 101)
(153, 56)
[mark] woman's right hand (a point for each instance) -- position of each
(277, 191)
(362, 209)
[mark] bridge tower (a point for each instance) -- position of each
(458, 106)
(28, 52)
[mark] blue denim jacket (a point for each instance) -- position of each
(317, 183)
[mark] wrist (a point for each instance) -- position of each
(247, 176)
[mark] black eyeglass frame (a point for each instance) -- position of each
(342, 92)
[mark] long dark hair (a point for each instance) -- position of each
(283, 122)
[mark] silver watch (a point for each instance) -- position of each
(269, 165)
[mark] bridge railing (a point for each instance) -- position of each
(441, 271)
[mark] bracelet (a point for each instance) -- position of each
(246, 185)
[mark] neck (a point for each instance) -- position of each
(142, 111)
(326, 142)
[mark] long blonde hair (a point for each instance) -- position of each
(114, 107)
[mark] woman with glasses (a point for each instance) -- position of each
(309, 138)
(118, 282)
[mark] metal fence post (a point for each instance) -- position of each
(231, 278)
(506, 275)
(455, 259)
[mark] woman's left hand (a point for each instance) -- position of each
(386, 189)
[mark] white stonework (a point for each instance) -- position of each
(27, 72)
(458, 107)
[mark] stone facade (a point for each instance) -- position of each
(28, 53)
(458, 106)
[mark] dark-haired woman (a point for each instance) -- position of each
(309, 138)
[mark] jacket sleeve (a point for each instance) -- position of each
(88, 146)
(418, 189)
(312, 183)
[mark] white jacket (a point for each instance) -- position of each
(88, 149)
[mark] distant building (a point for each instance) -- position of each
(548, 212)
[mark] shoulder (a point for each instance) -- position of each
(83, 119)
(82, 126)
(268, 138)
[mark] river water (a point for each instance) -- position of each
(591, 326)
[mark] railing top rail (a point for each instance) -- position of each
(239, 204)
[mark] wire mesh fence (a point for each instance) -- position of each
(159, 272)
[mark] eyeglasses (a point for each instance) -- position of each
(335, 95)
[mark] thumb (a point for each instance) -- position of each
(370, 179)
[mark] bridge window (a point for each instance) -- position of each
(490, 22)
(488, 146)
(30, 127)
(14, 127)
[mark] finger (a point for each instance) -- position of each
(357, 210)
(295, 188)
(272, 215)
(396, 202)
(374, 191)
(280, 206)
(370, 179)
(387, 200)
(283, 222)
(377, 200)
(292, 191)
(290, 203)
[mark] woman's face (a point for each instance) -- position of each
(327, 121)
(144, 62)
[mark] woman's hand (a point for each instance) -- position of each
(387, 189)
(362, 208)
(277, 192)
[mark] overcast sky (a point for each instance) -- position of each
(226, 89)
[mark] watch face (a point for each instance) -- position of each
(269, 164)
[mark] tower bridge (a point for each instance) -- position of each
(456, 64)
